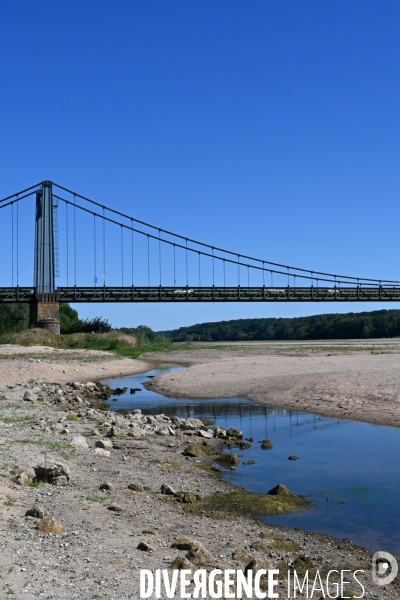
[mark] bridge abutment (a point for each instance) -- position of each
(45, 312)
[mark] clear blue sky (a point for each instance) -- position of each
(268, 127)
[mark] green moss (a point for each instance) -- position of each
(200, 450)
(246, 503)
(228, 460)
(210, 469)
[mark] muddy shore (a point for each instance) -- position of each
(100, 551)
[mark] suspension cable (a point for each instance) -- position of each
(187, 248)
(368, 279)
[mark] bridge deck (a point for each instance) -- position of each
(210, 294)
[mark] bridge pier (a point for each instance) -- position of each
(45, 312)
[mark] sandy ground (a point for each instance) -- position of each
(20, 364)
(361, 386)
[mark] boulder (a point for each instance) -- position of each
(51, 472)
(23, 476)
(29, 396)
(79, 442)
(167, 489)
(279, 490)
(105, 444)
(102, 452)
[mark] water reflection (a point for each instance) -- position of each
(351, 470)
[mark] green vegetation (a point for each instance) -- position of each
(95, 498)
(15, 317)
(247, 503)
(375, 324)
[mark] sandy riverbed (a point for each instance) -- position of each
(360, 385)
(20, 364)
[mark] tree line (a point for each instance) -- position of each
(374, 324)
(15, 317)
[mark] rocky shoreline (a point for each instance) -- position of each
(90, 497)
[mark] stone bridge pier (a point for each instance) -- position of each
(45, 312)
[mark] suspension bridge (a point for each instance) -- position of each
(85, 251)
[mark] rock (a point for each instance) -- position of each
(186, 498)
(36, 512)
(185, 543)
(279, 490)
(219, 432)
(135, 487)
(102, 452)
(150, 532)
(23, 476)
(293, 457)
(266, 445)
(105, 444)
(29, 396)
(51, 471)
(145, 547)
(249, 462)
(259, 547)
(163, 431)
(199, 556)
(107, 486)
(232, 432)
(228, 460)
(115, 508)
(182, 563)
(199, 450)
(60, 481)
(79, 442)
(206, 433)
(206, 421)
(166, 489)
(50, 525)
(242, 556)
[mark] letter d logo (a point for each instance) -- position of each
(384, 568)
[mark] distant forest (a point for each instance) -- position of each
(375, 324)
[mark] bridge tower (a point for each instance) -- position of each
(44, 311)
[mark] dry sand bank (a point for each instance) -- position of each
(361, 386)
(20, 364)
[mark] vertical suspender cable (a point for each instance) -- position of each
(67, 236)
(159, 252)
(248, 276)
(132, 247)
(213, 264)
(174, 265)
(224, 273)
(17, 237)
(263, 274)
(75, 239)
(187, 269)
(239, 269)
(104, 247)
(95, 257)
(272, 280)
(199, 271)
(12, 244)
(148, 260)
(122, 255)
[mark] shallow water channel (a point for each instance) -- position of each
(350, 470)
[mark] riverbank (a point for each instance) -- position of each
(341, 382)
(112, 531)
